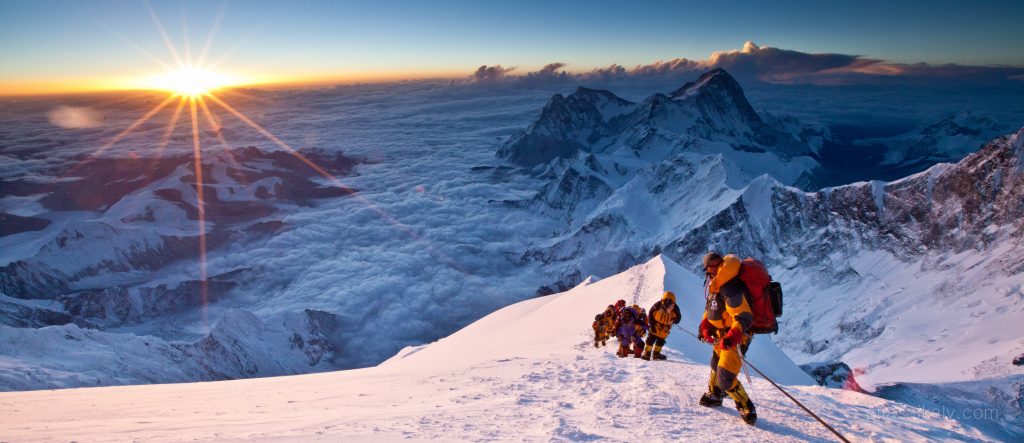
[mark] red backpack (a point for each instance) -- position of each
(765, 296)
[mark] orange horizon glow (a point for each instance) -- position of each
(139, 83)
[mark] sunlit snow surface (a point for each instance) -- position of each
(528, 372)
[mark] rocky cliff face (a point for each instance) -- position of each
(974, 205)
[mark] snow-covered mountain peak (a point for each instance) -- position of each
(583, 101)
(715, 79)
(711, 114)
(597, 96)
(718, 91)
(757, 197)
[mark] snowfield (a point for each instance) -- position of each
(528, 372)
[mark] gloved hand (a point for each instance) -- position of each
(705, 332)
(732, 339)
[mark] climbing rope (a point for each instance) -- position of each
(801, 405)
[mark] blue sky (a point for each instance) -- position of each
(50, 40)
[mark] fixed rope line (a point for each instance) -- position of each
(801, 405)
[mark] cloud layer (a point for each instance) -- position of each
(774, 65)
(491, 73)
(443, 256)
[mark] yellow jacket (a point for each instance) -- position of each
(726, 305)
(662, 317)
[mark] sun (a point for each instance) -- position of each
(191, 81)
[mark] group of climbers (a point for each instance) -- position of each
(630, 324)
(740, 300)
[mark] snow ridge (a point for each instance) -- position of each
(528, 371)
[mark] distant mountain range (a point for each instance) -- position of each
(710, 115)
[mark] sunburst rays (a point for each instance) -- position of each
(163, 35)
(132, 127)
(170, 128)
(215, 127)
(197, 153)
(196, 103)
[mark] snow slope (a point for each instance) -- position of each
(526, 372)
(642, 284)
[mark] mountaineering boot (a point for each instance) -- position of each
(622, 351)
(748, 413)
(712, 398)
(743, 403)
(647, 353)
(659, 356)
(637, 352)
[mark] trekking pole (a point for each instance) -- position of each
(744, 364)
(801, 405)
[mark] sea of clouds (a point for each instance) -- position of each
(423, 250)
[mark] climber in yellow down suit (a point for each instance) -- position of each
(726, 322)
